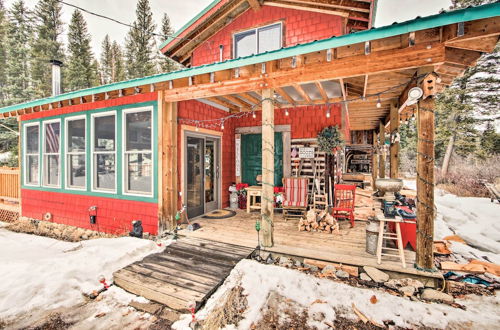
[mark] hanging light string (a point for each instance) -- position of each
(218, 123)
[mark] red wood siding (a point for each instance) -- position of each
(299, 27)
(114, 216)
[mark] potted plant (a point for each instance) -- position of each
(242, 195)
(330, 139)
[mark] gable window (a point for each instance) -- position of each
(138, 158)
(32, 154)
(104, 152)
(51, 153)
(259, 40)
(75, 153)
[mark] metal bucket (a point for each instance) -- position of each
(372, 237)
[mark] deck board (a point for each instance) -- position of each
(190, 269)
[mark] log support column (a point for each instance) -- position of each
(425, 175)
(394, 127)
(167, 154)
(375, 159)
(382, 156)
(267, 203)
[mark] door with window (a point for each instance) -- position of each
(202, 174)
(251, 158)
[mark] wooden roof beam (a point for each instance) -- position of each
(344, 4)
(255, 4)
(285, 95)
(238, 101)
(284, 4)
(322, 91)
(365, 86)
(302, 93)
(223, 102)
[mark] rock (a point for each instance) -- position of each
(85, 237)
(342, 274)
(311, 268)
(396, 284)
(298, 264)
(329, 269)
(365, 277)
(284, 261)
(413, 298)
(407, 291)
(376, 275)
(434, 295)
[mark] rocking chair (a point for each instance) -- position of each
(343, 205)
(295, 198)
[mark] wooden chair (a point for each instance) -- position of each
(295, 197)
(343, 204)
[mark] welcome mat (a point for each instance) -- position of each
(220, 214)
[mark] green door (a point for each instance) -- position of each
(251, 158)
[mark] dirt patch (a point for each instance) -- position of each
(229, 312)
(51, 322)
(55, 230)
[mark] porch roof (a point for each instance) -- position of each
(215, 79)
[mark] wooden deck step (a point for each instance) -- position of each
(189, 269)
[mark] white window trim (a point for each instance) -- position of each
(93, 152)
(125, 152)
(26, 154)
(68, 153)
(257, 36)
(45, 153)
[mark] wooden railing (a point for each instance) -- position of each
(9, 183)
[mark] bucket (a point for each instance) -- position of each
(372, 237)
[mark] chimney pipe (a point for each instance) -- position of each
(56, 77)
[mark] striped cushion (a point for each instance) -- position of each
(295, 192)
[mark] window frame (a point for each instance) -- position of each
(26, 154)
(256, 30)
(93, 153)
(68, 154)
(125, 190)
(45, 153)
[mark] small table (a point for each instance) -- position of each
(252, 193)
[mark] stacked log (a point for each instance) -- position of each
(320, 221)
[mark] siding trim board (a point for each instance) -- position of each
(119, 192)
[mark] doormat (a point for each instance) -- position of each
(219, 214)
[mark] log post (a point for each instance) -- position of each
(394, 127)
(425, 175)
(375, 159)
(267, 207)
(381, 162)
(167, 144)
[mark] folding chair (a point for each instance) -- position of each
(343, 205)
(295, 197)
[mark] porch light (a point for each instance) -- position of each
(328, 114)
(413, 95)
(222, 126)
(197, 129)
(379, 104)
(254, 115)
(286, 112)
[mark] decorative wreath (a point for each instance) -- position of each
(329, 139)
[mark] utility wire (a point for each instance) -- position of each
(122, 23)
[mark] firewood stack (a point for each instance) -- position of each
(321, 221)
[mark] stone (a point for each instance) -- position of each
(365, 277)
(341, 274)
(407, 291)
(298, 264)
(376, 275)
(434, 295)
(284, 261)
(85, 237)
(329, 269)
(396, 284)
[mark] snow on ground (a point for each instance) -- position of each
(40, 273)
(316, 295)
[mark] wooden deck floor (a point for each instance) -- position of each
(188, 270)
(347, 248)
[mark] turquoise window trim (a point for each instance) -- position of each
(119, 154)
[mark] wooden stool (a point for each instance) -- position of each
(383, 234)
(252, 193)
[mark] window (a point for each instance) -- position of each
(51, 153)
(32, 154)
(256, 41)
(75, 153)
(138, 158)
(104, 152)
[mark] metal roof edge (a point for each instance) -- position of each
(462, 15)
(188, 24)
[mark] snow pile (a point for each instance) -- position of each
(475, 220)
(43, 273)
(316, 295)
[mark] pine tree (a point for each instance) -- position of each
(3, 52)
(118, 63)
(19, 85)
(140, 43)
(46, 45)
(166, 63)
(80, 69)
(490, 141)
(106, 60)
